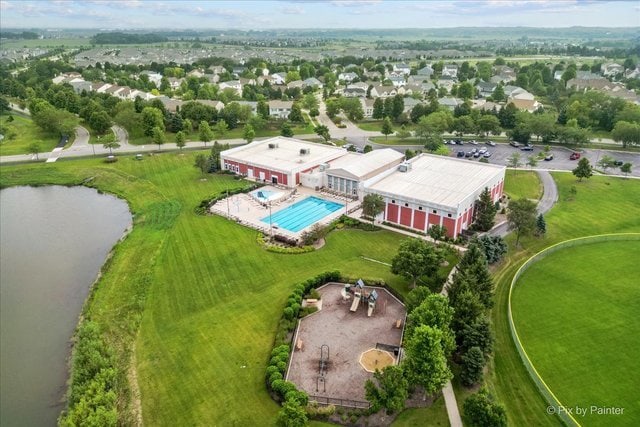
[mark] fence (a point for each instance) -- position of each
(554, 403)
(347, 403)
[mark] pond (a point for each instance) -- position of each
(53, 241)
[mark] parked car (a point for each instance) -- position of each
(527, 148)
(459, 142)
(514, 144)
(549, 157)
(477, 154)
(487, 155)
(574, 156)
(460, 154)
(469, 154)
(491, 143)
(618, 163)
(473, 142)
(482, 150)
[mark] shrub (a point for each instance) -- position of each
(305, 311)
(472, 366)
(315, 410)
(314, 294)
(481, 410)
(276, 376)
(494, 247)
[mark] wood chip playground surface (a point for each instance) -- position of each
(348, 335)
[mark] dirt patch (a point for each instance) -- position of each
(376, 359)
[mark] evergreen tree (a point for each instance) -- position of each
(477, 334)
(583, 170)
(248, 133)
(378, 108)
(481, 410)
(541, 225)
(296, 113)
(392, 389)
(473, 362)
(387, 128)
(285, 130)
(485, 211)
(263, 109)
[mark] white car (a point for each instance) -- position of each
(482, 150)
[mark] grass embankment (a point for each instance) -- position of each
(436, 415)
(568, 309)
(519, 184)
(193, 299)
(601, 205)
(26, 132)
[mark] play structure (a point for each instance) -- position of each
(360, 296)
(376, 359)
(322, 368)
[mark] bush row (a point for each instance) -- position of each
(281, 249)
(204, 205)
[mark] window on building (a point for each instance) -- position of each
(419, 208)
(449, 215)
(393, 201)
(434, 211)
(406, 204)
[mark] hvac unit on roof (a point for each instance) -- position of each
(404, 167)
(273, 145)
(304, 151)
(324, 167)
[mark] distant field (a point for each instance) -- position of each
(16, 44)
(578, 322)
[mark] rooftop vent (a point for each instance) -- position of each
(273, 145)
(404, 167)
(304, 151)
(324, 167)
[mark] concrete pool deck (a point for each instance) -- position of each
(348, 335)
(246, 210)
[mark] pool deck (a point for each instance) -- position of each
(246, 210)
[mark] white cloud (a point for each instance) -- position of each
(292, 10)
(355, 3)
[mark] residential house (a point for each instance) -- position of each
(101, 87)
(450, 70)
(402, 68)
(243, 81)
(632, 74)
(529, 105)
(426, 71)
(195, 73)
(558, 75)
(427, 86)
(373, 75)
(417, 79)
(446, 82)
(171, 104)
(612, 69)
(380, 91)
(212, 78)
(595, 83)
(217, 69)
(145, 96)
(252, 104)
(367, 106)
(347, 77)
(485, 105)
(295, 84)
(503, 74)
(232, 84)
(174, 83)
(397, 81)
(280, 109)
(278, 78)
(486, 89)
(154, 77)
(449, 102)
(218, 105)
(313, 82)
(410, 90)
(237, 71)
(409, 103)
(80, 85)
(355, 90)
(65, 78)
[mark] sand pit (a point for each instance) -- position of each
(376, 359)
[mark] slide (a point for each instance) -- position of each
(356, 302)
(370, 310)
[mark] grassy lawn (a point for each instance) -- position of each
(577, 216)
(394, 140)
(26, 133)
(197, 295)
(586, 308)
(519, 184)
(435, 415)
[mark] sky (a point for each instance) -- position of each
(245, 14)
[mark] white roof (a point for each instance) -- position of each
(359, 165)
(285, 156)
(438, 180)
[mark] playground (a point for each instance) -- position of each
(339, 347)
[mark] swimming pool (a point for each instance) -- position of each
(303, 213)
(266, 195)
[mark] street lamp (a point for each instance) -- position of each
(270, 223)
(228, 208)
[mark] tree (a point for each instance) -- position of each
(494, 247)
(606, 162)
(498, 94)
(310, 101)
(397, 106)
(433, 141)
(541, 225)
(477, 334)
(391, 391)
(262, 109)
(100, 121)
(481, 410)
(472, 366)
(372, 205)
(462, 125)
(426, 364)
(221, 128)
(522, 217)
(626, 169)
(436, 312)
(532, 161)
(158, 137)
(111, 145)
(541, 125)
(416, 296)
(296, 113)
(473, 268)
(180, 140)
(187, 125)
(627, 133)
(248, 133)
(323, 131)
(583, 170)
(202, 162)
(34, 148)
(403, 133)
(151, 118)
(367, 148)
(285, 130)
(292, 414)
(387, 128)
(378, 108)
(485, 211)
(437, 232)
(416, 258)
(205, 132)
(513, 161)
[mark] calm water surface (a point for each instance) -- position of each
(53, 241)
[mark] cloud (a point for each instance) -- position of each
(292, 10)
(355, 3)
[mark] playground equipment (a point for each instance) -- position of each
(324, 359)
(357, 295)
(373, 297)
(344, 292)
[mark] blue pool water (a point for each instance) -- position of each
(303, 213)
(265, 195)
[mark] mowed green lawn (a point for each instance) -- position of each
(519, 184)
(576, 312)
(192, 302)
(26, 133)
(601, 205)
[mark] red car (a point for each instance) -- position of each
(574, 156)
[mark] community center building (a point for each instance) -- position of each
(419, 193)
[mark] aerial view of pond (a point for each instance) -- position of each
(53, 241)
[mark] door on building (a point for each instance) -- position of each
(261, 176)
(250, 173)
(274, 180)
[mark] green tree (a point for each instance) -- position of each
(466, 90)
(462, 125)
(285, 130)
(583, 170)
(522, 217)
(626, 169)
(437, 232)
(532, 161)
(158, 137)
(542, 125)
(205, 132)
(372, 205)
(494, 247)
(473, 362)
(485, 211)
(391, 390)
(541, 225)
(187, 125)
(473, 268)
(498, 94)
(513, 161)
(292, 414)
(481, 410)
(202, 162)
(262, 109)
(111, 145)
(292, 76)
(248, 133)
(426, 363)
(100, 121)
(606, 162)
(296, 113)
(627, 133)
(436, 312)
(433, 141)
(151, 118)
(403, 133)
(416, 258)
(180, 140)
(378, 108)
(323, 131)
(387, 128)
(488, 124)
(309, 101)
(367, 148)
(34, 148)
(477, 334)
(416, 296)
